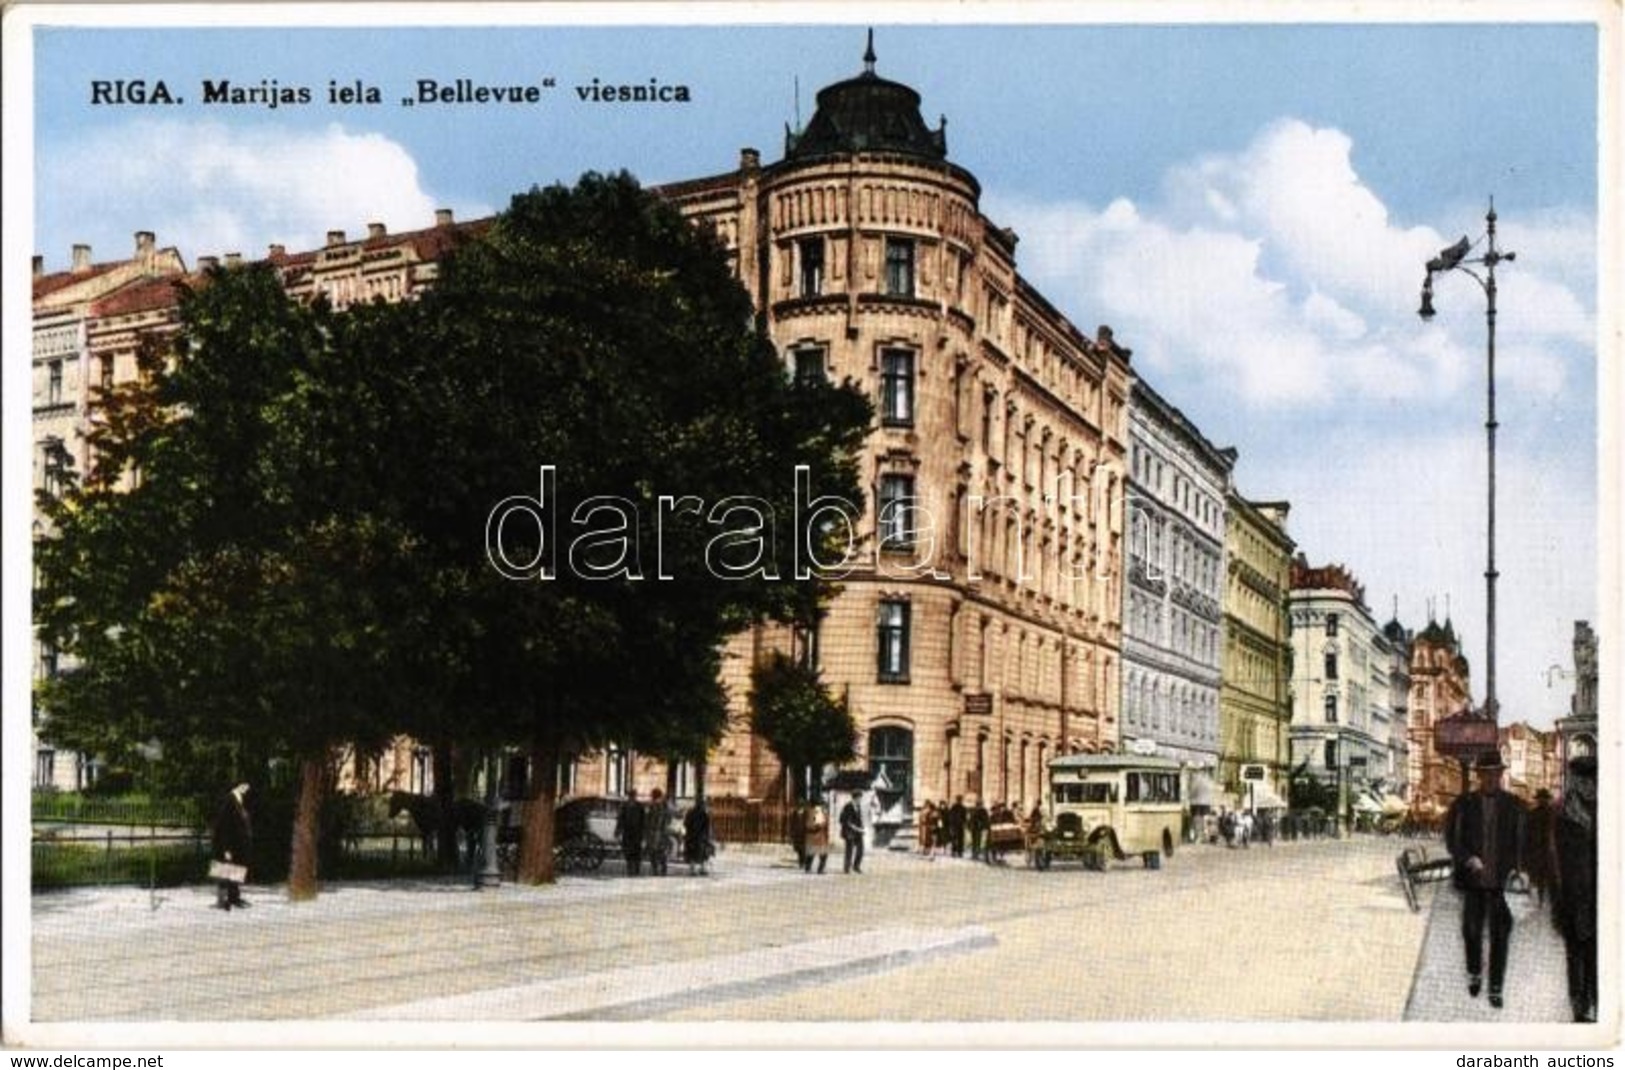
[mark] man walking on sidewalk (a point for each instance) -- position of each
(1484, 832)
(1574, 885)
(852, 833)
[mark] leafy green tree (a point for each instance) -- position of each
(801, 722)
(288, 546)
(596, 331)
(222, 584)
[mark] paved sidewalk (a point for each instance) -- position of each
(1536, 981)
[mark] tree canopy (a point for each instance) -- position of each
(527, 508)
(799, 719)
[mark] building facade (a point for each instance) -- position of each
(1531, 759)
(1340, 717)
(1255, 693)
(69, 371)
(1577, 733)
(1397, 645)
(1173, 590)
(1439, 689)
(979, 632)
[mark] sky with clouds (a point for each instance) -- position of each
(1248, 206)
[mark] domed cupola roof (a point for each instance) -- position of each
(867, 114)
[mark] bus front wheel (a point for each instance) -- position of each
(1167, 843)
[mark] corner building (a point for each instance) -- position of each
(978, 632)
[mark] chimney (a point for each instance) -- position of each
(335, 237)
(39, 265)
(278, 250)
(442, 217)
(375, 230)
(234, 259)
(207, 263)
(145, 242)
(81, 258)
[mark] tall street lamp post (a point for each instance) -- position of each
(1455, 258)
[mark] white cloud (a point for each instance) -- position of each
(1272, 295)
(1275, 274)
(208, 188)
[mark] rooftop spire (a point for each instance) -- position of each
(869, 54)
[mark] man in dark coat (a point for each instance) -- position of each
(1574, 885)
(979, 822)
(697, 837)
(956, 826)
(852, 834)
(629, 827)
(1485, 833)
(1538, 849)
(232, 834)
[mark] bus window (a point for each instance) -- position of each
(1084, 793)
(1134, 788)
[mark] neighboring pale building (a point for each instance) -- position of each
(1396, 641)
(1340, 683)
(66, 380)
(1172, 615)
(1255, 696)
(1529, 755)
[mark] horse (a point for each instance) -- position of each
(467, 815)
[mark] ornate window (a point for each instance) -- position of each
(892, 627)
(899, 267)
(897, 387)
(810, 251)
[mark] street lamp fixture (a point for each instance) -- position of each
(1455, 258)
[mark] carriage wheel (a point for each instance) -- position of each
(593, 851)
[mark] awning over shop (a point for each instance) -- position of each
(1365, 804)
(1265, 799)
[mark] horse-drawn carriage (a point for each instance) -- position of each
(1004, 836)
(583, 834)
(584, 830)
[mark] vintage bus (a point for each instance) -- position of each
(1105, 806)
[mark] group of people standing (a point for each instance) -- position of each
(810, 831)
(1239, 828)
(642, 828)
(949, 829)
(1491, 837)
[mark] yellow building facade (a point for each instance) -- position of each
(1255, 693)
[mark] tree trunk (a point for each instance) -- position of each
(307, 814)
(536, 842)
(699, 780)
